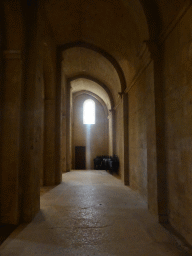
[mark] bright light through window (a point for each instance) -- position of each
(89, 112)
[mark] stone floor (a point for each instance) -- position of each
(92, 213)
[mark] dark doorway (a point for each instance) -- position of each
(80, 158)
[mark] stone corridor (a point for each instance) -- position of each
(92, 213)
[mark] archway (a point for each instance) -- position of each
(89, 88)
(78, 61)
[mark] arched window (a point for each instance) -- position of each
(89, 112)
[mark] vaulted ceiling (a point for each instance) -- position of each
(86, 85)
(118, 27)
(81, 62)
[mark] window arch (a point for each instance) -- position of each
(89, 112)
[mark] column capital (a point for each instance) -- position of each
(120, 94)
(153, 47)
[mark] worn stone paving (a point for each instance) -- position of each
(91, 213)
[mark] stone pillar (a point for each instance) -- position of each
(157, 54)
(32, 118)
(114, 125)
(10, 155)
(126, 137)
(63, 124)
(110, 122)
(49, 142)
(68, 128)
(58, 120)
(71, 127)
(49, 120)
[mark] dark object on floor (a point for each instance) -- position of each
(108, 163)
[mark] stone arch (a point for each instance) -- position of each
(88, 77)
(63, 86)
(105, 54)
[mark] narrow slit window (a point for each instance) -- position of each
(89, 112)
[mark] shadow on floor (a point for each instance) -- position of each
(44, 189)
(5, 231)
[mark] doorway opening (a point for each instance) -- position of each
(80, 153)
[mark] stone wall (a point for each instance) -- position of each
(138, 161)
(28, 67)
(178, 124)
(11, 113)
